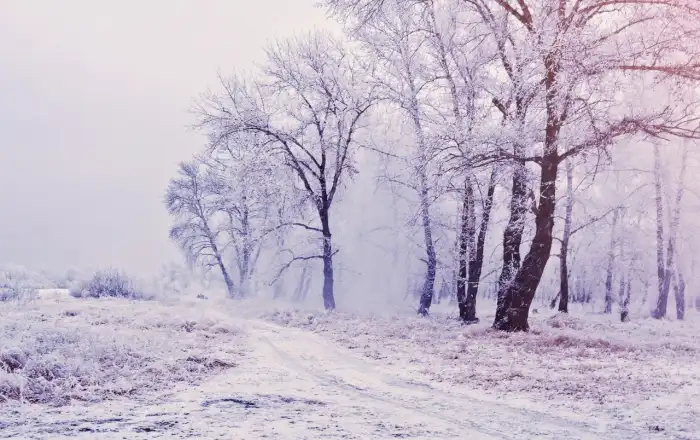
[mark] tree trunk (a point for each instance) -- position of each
(512, 237)
(621, 293)
(428, 290)
(553, 303)
(246, 249)
(611, 265)
(279, 282)
(220, 262)
(679, 290)
(625, 300)
(302, 285)
(668, 271)
(476, 262)
(328, 294)
(662, 300)
(521, 291)
(624, 280)
(519, 294)
(564, 253)
(225, 274)
(467, 306)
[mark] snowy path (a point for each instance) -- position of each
(296, 385)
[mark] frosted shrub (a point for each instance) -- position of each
(110, 284)
(15, 285)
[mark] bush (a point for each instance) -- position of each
(15, 284)
(109, 284)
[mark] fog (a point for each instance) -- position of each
(94, 118)
(94, 100)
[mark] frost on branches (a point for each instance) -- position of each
(308, 104)
(568, 78)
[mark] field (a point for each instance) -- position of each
(222, 369)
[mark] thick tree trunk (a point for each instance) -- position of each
(512, 237)
(564, 253)
(467, 305)
(476, 262)
(611, 265)
(519, 294)
(521, 291)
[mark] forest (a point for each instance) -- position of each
(517, 147)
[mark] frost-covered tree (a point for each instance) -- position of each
(393, 39)
(666, 244)
(308, 102)
(248, 191)
(593, 77)
(192, 201)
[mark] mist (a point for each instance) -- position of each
(94, 118)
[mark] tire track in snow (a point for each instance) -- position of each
(314, 356)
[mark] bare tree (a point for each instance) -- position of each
(566, 237)
(666, 264)
(611, 263)
(460, 73)
(191, 201)
(308, 104)
(577, 50)
(393, 38)
(248, 188)
(476, 262)
(573, 61)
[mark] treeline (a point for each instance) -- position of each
(460, 99)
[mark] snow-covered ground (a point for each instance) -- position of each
(638, 377)
(293, 374)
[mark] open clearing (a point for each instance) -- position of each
(212, 369)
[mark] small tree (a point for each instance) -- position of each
(248, 188)
(191, 200)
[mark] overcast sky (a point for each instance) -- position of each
(93, 117)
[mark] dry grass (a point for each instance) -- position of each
(53, 352)
(575, 362)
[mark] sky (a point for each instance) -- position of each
(94, 100)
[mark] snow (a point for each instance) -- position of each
(638, 376)
(56, 351)
(305, 374)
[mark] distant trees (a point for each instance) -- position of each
(248, 192)
(227, 203)
(191, 200)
